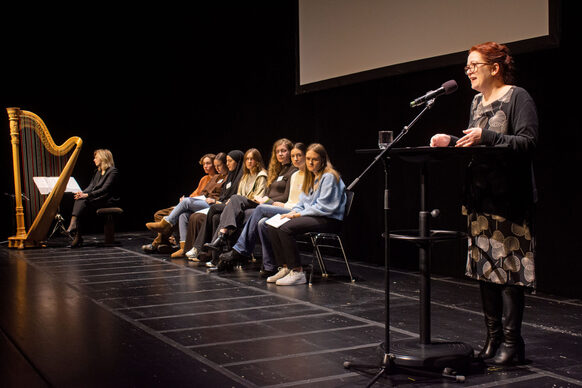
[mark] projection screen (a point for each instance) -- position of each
(346, 41)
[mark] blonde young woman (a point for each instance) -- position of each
(320, 208)
(101, 192)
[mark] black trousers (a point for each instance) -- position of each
(210, 226)
(283, 238)
(84, 206)
(233, 214)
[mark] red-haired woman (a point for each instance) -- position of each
(500, 197)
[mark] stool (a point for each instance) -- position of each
(109, 225)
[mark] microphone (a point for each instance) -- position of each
(446, 88)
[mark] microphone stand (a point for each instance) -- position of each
(387, 364)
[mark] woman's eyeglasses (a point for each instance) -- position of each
(471, 67)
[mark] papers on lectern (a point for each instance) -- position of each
(45, 184)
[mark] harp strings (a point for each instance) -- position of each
(36, 160)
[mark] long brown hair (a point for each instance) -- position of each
(211, 157)
(326, 166)
(274, 165)
(256, 154)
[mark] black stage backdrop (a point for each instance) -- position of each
(161, 87)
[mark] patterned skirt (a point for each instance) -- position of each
(500, 251)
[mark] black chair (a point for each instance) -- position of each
(316, 239)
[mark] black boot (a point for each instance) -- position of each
(234, 256)
(218, 243)
(77, 241)
(225, 265)
(513, 348)
(492, 310)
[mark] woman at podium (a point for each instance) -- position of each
(499, 197)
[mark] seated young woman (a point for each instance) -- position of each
(206, 186)
(320, 208)
(181, 212)
(255, 227)
(252, 184)
(197, 221)
(278, 178)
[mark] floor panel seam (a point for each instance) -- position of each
(216, 312)
(314, 380)
(191, 302)
(303, 354)
(255, 321)
(270, 337)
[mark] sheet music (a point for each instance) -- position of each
(45, 184)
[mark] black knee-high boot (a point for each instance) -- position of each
(492, 310)
(513, 348)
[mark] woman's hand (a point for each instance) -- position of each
(80, 195)
(260, 199)
(181, 198)
(440, 140)
(278, 204)
(210, 201)
(291, 215)
(472, 137)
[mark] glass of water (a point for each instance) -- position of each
(384, 139)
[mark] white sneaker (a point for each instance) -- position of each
(192, 254)
(292, 279)
(283, 271)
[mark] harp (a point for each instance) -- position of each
(34, 153)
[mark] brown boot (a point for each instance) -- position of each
(163, 227)
(180, 252)
(158, 240)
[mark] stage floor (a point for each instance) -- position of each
(114, 316)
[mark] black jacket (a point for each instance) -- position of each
(104, 188)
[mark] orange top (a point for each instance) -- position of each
(201, 185)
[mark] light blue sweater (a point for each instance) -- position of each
(328, 200)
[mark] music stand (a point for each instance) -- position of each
(412, 354)
(45, 185)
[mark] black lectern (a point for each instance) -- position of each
(425, 353)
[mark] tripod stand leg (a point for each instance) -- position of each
(383, 368)
(388, 366)
(381, 371)
(60, 227)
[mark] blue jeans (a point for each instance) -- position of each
(182, 212)
(256, 227)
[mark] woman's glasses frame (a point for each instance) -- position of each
(472, 67)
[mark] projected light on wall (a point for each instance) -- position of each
(346, 41)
